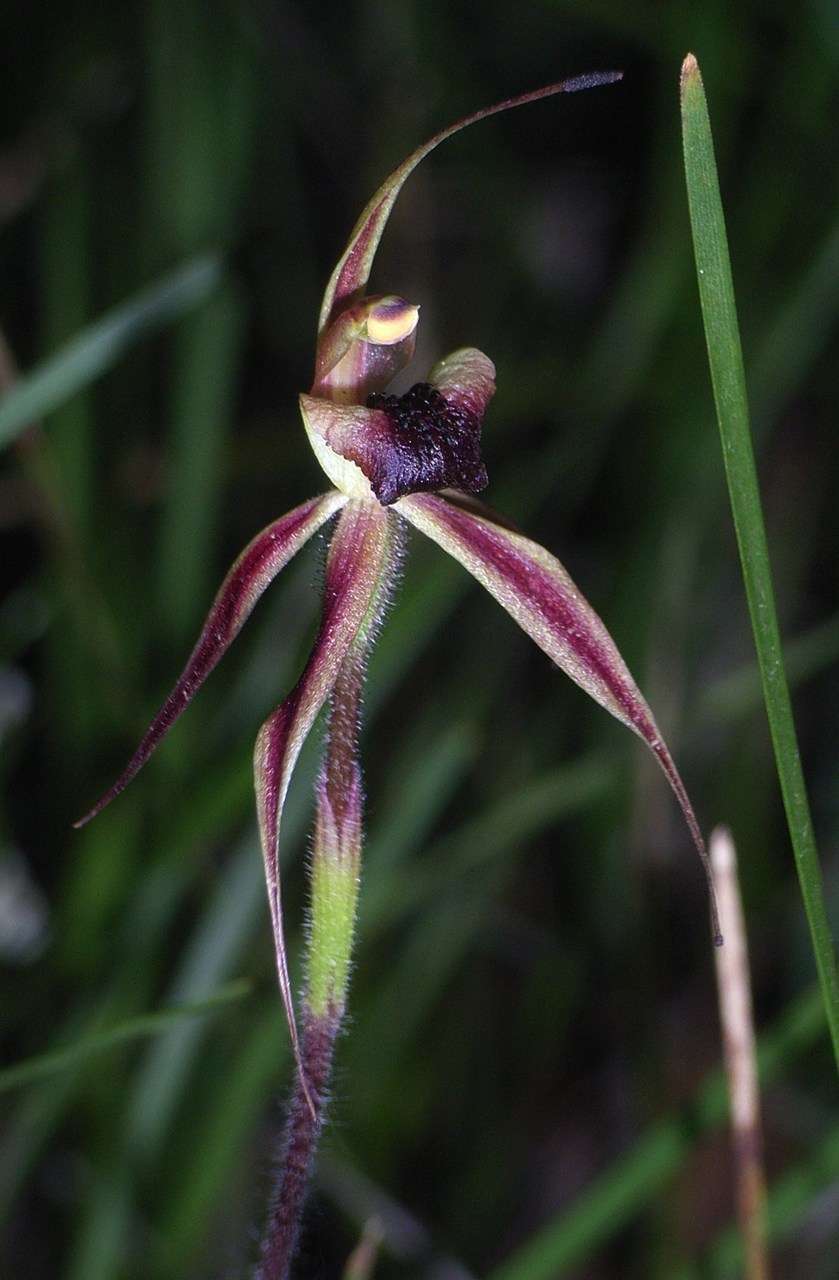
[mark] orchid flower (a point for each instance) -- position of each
(394, 461)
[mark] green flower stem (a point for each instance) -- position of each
(334, 901)
(336, 857)
(716, 292)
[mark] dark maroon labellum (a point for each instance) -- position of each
(421, 442)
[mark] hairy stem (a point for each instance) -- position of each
(336, 861)
(300, 1142)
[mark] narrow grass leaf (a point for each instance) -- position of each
(150, 1024)
(206, 349)
(725, 357)
(643, 1172)
(101, 344)
(793, 1204)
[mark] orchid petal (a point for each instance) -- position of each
(424, 440)
(254, 570)
(358, 565)
(353, 269)
(538, 593)
(466, 380)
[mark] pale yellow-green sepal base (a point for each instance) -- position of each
(335, 884)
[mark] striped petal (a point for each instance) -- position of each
(353, 269)
(358, 565)
(254, 570)
(538, 593)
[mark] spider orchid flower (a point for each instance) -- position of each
(394, 461)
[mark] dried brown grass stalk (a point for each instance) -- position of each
(735, 997)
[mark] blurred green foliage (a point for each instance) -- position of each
(533, 1011)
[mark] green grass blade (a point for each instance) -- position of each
(732, 696)
(206, 349)
(633, 1179)
(800, 330)
(220, 1145)
(722, 335)
(100, 345)
(792, 1198)
(150, 1024)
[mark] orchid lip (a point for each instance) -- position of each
(425, 440)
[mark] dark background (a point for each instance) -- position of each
(533, 1002)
